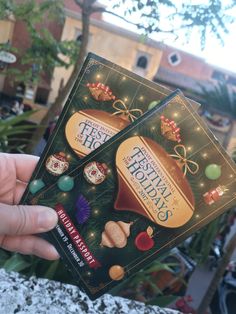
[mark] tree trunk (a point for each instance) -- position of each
(219, 272)
(62, 95)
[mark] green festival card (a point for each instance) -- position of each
(140, 193)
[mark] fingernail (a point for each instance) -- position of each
(47, 219)
(53, 253)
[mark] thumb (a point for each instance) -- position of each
(23, 219)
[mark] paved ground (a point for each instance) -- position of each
(198, 284)
(202, 276)
(232, 231)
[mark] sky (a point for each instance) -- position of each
(214, 52)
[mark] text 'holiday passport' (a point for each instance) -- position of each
(143, 191)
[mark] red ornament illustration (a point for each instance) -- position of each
(144, 240)
(170, 130)
(214, 195)
(100, 91)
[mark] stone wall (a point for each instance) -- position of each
(21, 295)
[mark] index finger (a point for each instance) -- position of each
(24, 165)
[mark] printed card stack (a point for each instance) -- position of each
(131, 171)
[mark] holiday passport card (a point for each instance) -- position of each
(142, 192)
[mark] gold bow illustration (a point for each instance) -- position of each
(132, 114)
(184, 163)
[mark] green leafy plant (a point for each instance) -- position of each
(45, 51)
(157, 284)
(221, 97)
(12, 131)
(201, 242)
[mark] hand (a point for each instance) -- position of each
(18, 223)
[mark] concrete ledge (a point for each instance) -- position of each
(21, 295)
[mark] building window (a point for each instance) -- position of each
(142, 62)
(77, 34)
(174, 58)
(219, 76)
(20, 90)
(42, 96)
(61, 84)
(3, 65)
(79, 38)
(231, 80)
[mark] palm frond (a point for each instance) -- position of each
(222, 98)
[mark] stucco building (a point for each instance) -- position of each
(179, 69)
(114, 43)
(189, 72)
(111, 42)
(6, 34)
(155, 61)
